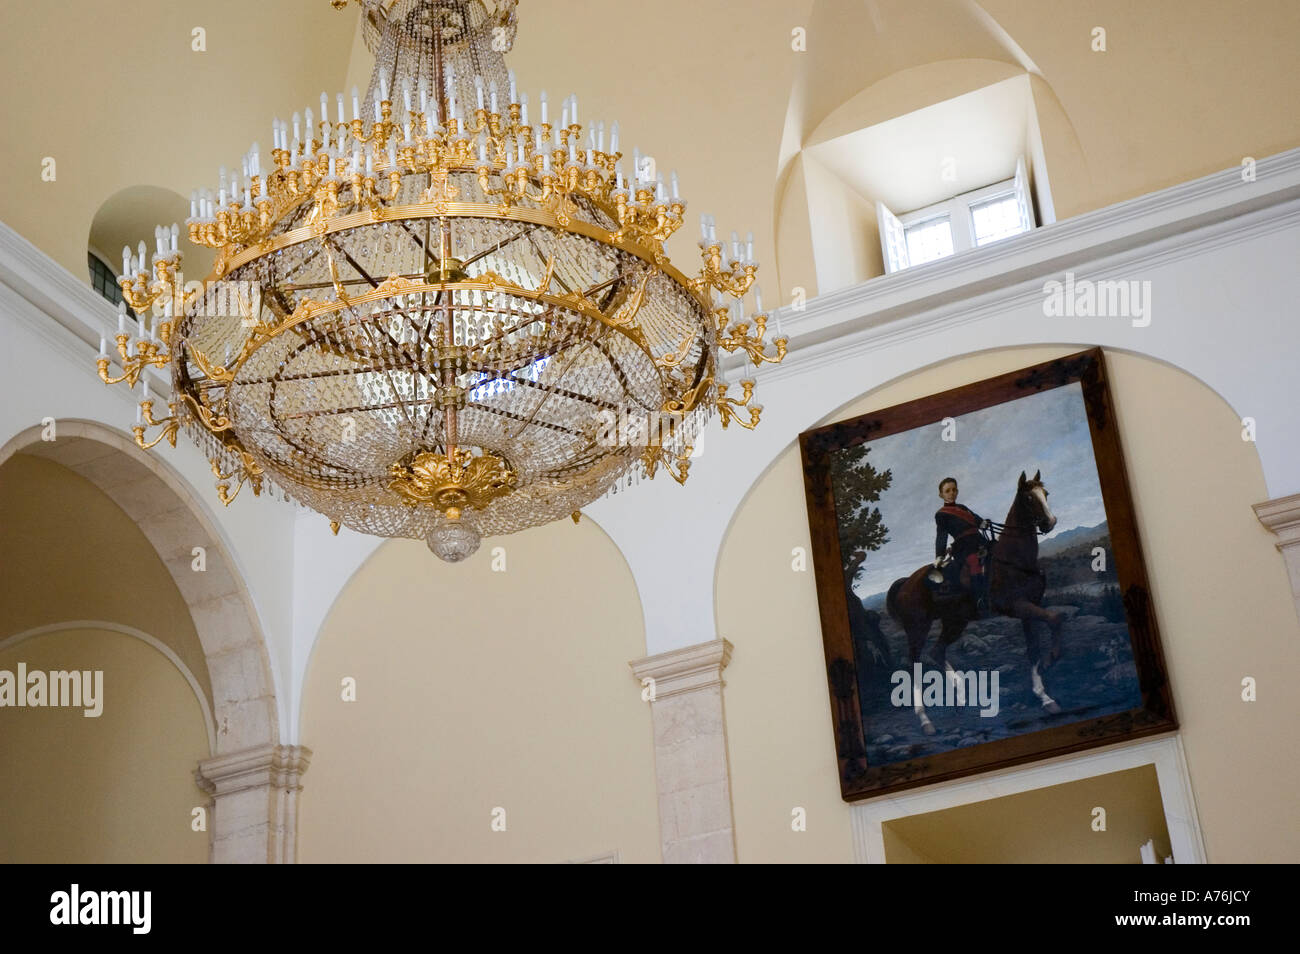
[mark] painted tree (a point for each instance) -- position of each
(857, 485)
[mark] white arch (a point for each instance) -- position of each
(51, 323)
(325, 568)
(1198, 243)
(244, 694)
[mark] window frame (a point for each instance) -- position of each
(957, 210)
(92, 255)
(931, 213)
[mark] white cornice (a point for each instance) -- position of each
(855, 331)
(1219, 208)
(53, 289)
(81, 315)
(1214, 210)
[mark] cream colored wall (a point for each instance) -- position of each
(361, 63)
(1061, 155)
(67, 552)
(1183, 89)
(114, 789)
(117, 788)
(846, 242)
(798, 265)
(1220, 590)
(1052, 825)
(707, 97)
(1186, 87)
(909, 90)
(115, 95)
(479, 689)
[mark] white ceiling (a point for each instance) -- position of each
(902, 161)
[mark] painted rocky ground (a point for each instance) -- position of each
(1095, 676)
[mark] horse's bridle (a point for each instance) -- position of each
(1002, 529)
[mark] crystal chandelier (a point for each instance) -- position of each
(435, 317)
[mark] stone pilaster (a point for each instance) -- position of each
(690, 734)
(255, 803)
(1282, 516)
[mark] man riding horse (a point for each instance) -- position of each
(1015, 588)
(962, 563)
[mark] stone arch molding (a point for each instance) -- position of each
(253, 780)
(161, 505)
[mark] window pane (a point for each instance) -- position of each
(103, 280)
(929, 240)
(996, 218)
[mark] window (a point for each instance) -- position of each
(103, 280)
(928, 240)
(996, 218)
(971, 220)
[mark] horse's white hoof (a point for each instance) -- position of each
(1051, 708)
(928, 728)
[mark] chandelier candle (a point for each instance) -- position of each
(447, 303)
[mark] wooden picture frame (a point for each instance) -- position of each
(1127, 698)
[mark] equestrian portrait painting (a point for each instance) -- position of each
(982, 592)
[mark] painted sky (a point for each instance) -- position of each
(1046, 431)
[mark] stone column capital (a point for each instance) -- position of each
(685, 670)
(690, 734)
(276, 766)
(255, 802)
(1282, 516)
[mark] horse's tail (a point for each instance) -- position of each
(891, 598)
